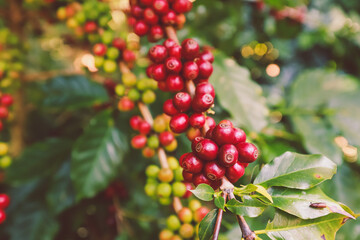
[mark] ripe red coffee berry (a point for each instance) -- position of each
(197, 120)
(199, 179)
(4, 113)
(90, 27)
(136, 11)
(169, 108)
(156, 33)
(181, 159)
(248, 152)
(189, 49)
(149, 70)
(205, 69)
(182, 101)
(119, 43)
(182, 6)
(146, 2)
(135, 121)
(175, 51)
(174, 83)
(225, 121)
(206, 55)
(179, 123)
(99, 49)
(239, 136)
(4, 201)
(205, 88)
(209, 133)
(144, 127)
(160, 6)
(158, 72)
(188, 188)
(150, 17)
(141, 28)
(210, 122)
(2, 216)
(158, 53)
(173, 65)
(214, 171)
(6, 100)
(235, 172)
(190, 71)
(187, 176)
(228, 155)
(162, 86)
(169, 18)
(166, 138)
(223, 133)
(207, 150)
(169, 43)
(128, 56)
(138, 141)
(195, 142)
(125, 104)
(202, 103)
(192, 164)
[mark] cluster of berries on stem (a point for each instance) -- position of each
(6, 100)
(4, 203)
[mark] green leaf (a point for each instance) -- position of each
(297, 202)
(261, 190)
(32, 222)
(207, 225)
(39, 160)
(295, 170)
(61, 193)
(204, 192)
(286, 227)
(96, 156)
(238, 94)
(249, 207)
(73, 92)
(251, 189)
(219, 202)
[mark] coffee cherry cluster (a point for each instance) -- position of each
(222, 152)
(150, 137)
(4, 203)
(164, 183)
(5, 159)
(150, 17)
(6, 100)
(132, 90)
(180, 226)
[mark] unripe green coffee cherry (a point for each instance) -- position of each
(112, 53)
(150, 189)
(153, 142)
(148, 97)
(107, 37)
(163, 190)
(178, 174)
(152, 171)
(5, 161)
(194, 205)
(173, 162)
(129, 79)
(120, 90)
(99, 61)
(142, 84)
(93, 38)
(109, 66)
(172, 146)
(173, 222)
(134, 94)
(165, 201)
(159, 124)
(179, 189)
(104, 20)
(80, 17)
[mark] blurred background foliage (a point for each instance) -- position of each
(292, 84)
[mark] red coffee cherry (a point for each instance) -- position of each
(1, 126)
(206, 55)
(228, 122)
(228, 155)
(192, 164)
(248, 152)
(182, 101)
(125, 104)
(146, 3)
(205, 88)
(181, 159)
(216, 184)
(169, 18)
(188, 188)
(169, 108)
(4, 113)
(2, 216)
(162, 86)
(192, 133)
(190, 49)
(209, 133)
(207, 150)
(235, 172)
(144, 127)
(187, 176)
(166, 138)
(179, 123)
(136, 11)
(119, 43)
(202, 103)
(175, 51)
(135, 121)
(214, 171)
(239, 136)
(180, 20)
(173, 65)
(156, 33)
(182, 6)
(4, 201)
(160, 6)
(128, 56)
(90, 27)
(199, 179)
(138, 141)
(195, 142)
(223, 133)
(169, 43)
(149, 70)
(190, 70)
(99, 49)
(174, 83)
(150, 17)
(210, 122)
(197, 120)
(158, 53)
(158, 72)
(205, 69)
(141, 28)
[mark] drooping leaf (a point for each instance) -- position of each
(39, 160)
(61, 193)
(207, 225)
(96, 156)
(73, 92)
(238, 94)
(288, 227)
(263, 192)
(295, 170)
(219, 202)
(251, 189)
(204, 192)
(248, 208)
(298, 203)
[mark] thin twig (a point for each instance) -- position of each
(219, 219)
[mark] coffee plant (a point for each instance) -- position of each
(179, 119)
